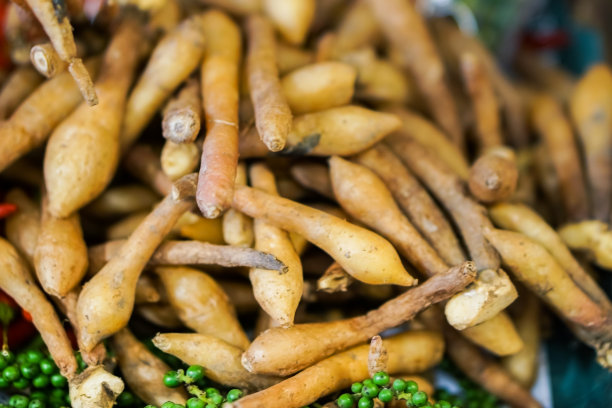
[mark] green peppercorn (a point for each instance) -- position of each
(195, 372)
(21, 383)
(34, 356)
(58, 381)
(419, 398)
(365, 402)
(412, 387)
(234, 395)
(126, 399)
(56, 402)
(39, 395)
(171, 380)
(381, 378)
(385, 395)
(216, 399)
(211, 406)
(370, 391)
(4, 383)
(11, 373)
(445, 404)
(167, 404)
(30, 370)
(3, 362)
(21, 358)
(47, 366)
(345, 401)
(211, 391)
(356, 387)
(58, 393)
(399, 385)
(40, 381)
(195, 403)
(19, 401)
(36, 403)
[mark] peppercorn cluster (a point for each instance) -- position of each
(203, 394)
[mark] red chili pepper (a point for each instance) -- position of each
(7, 209)
(26, 315)
(19, 332)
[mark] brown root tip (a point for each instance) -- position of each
(185, 187)
(209, 211)
(275, 145)
(160, 342)
(181, 127)
(83, 79)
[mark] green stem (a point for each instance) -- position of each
(184, 378)
(197, 392)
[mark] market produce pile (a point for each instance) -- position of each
(260, 189)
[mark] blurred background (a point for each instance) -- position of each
(550, 43)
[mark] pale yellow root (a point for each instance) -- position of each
(549, 120)
(22, 228)
(18, 86)
(220, 359)
(591, 109)
(278, 295)
(405, 28)
(319, 86)
(272, 113)
(378, 80)
(541, 273)
(183, 114)
(420, 129)
(32, 122)
(484, 101)
(106, 301)
(17, 282)
(122, 200)
(219, 78)
(143, 371)
(174, 58)
(60, 258)
(413, 351)
(237, 227)
(201, 303)
(594, 237)
(82, 153)
(342, 131)
(523, 366)
(520, 218)
(362, 253)
(291, 17)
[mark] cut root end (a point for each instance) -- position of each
(84, 81)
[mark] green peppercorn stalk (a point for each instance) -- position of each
(194, 381)
(6, 315)
(380, 387)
